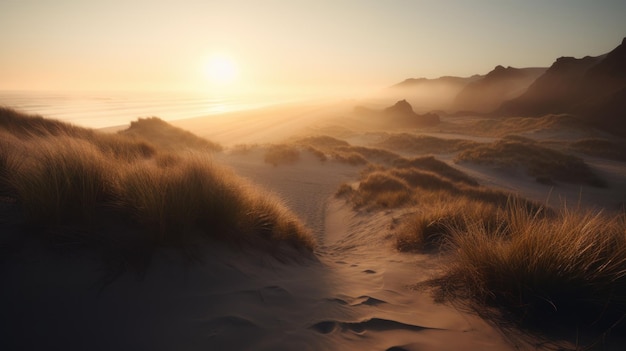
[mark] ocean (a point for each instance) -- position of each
(107, 109)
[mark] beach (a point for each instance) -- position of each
(356, 292)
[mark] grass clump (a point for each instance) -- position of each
(26, 126)
(322, 141)
(514, 125)
(432, 226)
(341, 151)
(168, 137)
(198, 197)
(282, 154)
(423, 144)
(540, 162)
(569, 269)
(383, 189)
(431, 164)
(63, 179)
(367, 153)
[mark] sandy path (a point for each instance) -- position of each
(367, 303)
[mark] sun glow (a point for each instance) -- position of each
(221, 70)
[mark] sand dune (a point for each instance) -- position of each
(357, 293)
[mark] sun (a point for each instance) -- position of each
(221, 69)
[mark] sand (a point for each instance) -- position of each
(358, 294)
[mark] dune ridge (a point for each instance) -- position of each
(66, 177)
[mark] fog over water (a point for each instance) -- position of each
(106, 109)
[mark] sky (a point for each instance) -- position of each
(239, 46)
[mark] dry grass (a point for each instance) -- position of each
(373, 155)
(513, 125)
(168, 137)
(540, 162)
(243, 149)
(423, 144)
(432, 226)
(63, 179)
(544, 271)
(383, 189)
(321, 155)
(26, 126)
(442, 169)
(324, 142)
(328, 148)
(282, 154)
(407, 185)
(64, 182)
(351, 158)
(198, 197)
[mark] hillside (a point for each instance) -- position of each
(399, 115)
(427, 95)
(591, 87)
(501, 84)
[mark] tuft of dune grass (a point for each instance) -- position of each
(442, 169)
(383, 189)
(168, 137)
(327, 147)
(62, 179)
(512, 125)
(432, 227)
(321, 155)
(25, 126)
(540, 162)
(322, 142)
(368, 153)
(424, 144)
(199, 197)
(282, 155)
(564, 270)
(351, 158)
(12, 154)
(123, 148)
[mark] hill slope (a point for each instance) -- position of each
(591, 87)
(499, 85)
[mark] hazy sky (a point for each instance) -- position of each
(168, 44)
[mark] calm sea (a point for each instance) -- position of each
(99, 110)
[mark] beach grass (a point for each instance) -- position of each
(413, 181)
(431, 228)
(282, 154)
(568, 269)
(499, 127)
(167, 136)
(434, 165)
(543, 163)
(424, 144)
(79, 180)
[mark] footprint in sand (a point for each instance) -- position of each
(368, 301)
(374, 324)
(369, 271)
(359, 301)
